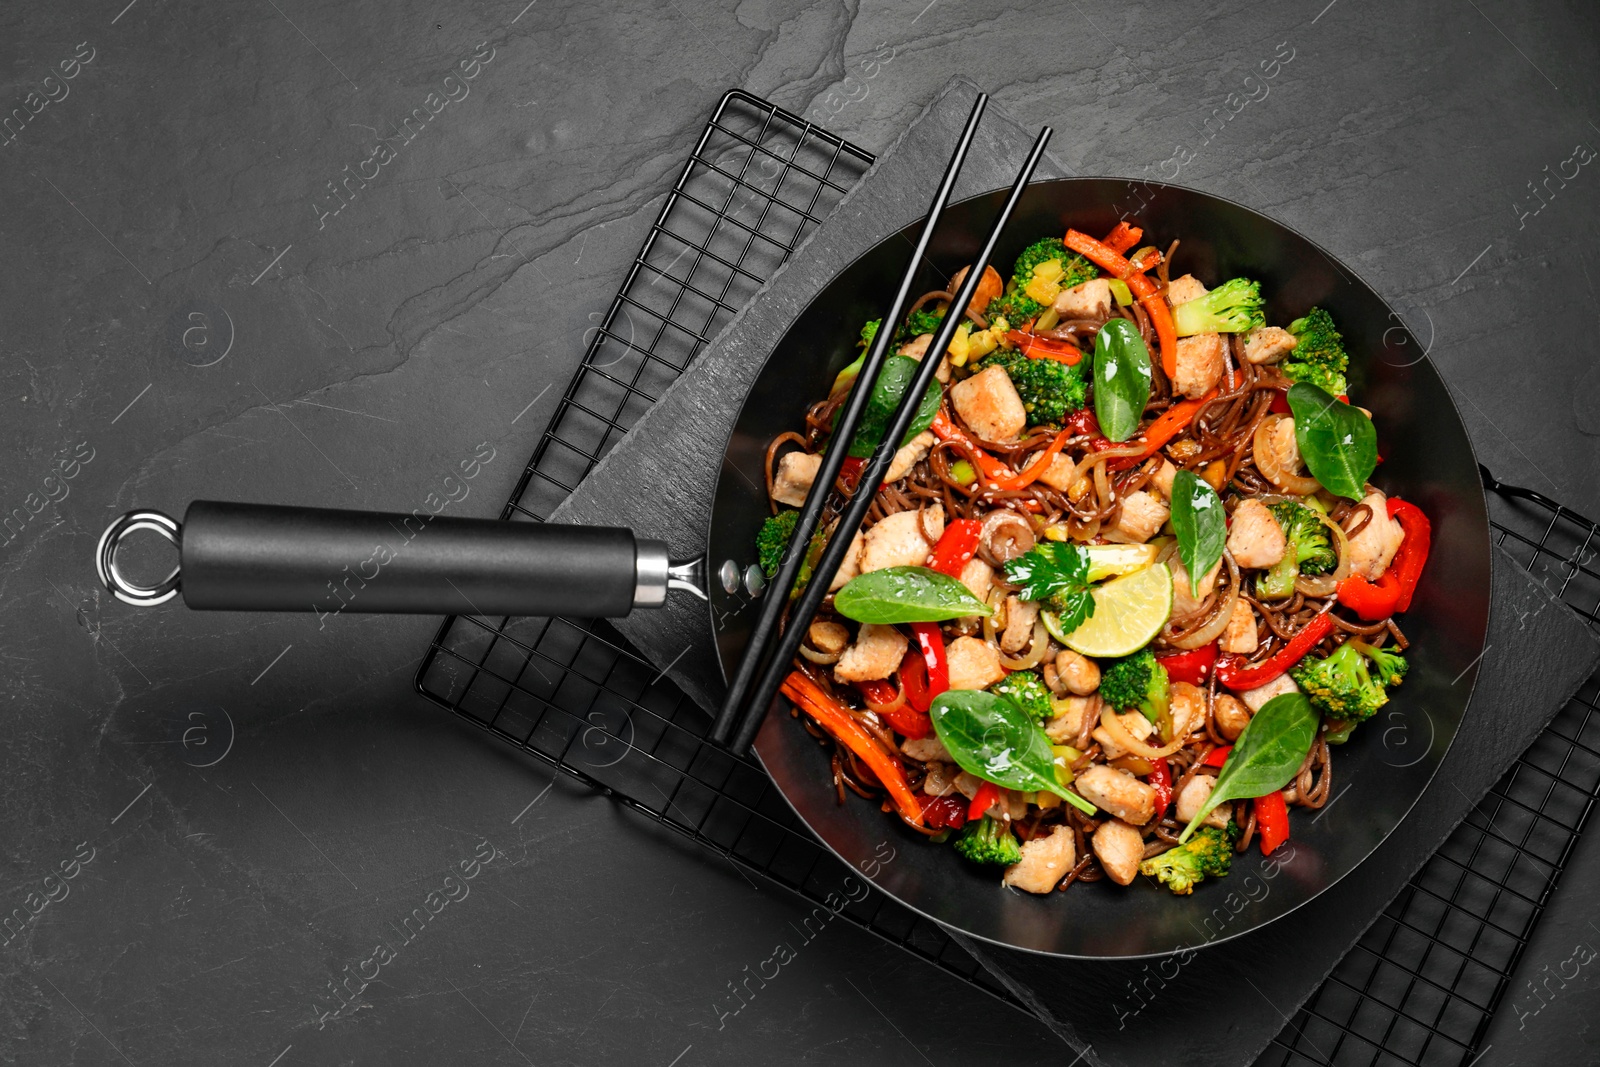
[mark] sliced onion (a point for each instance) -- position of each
(1219, 621)
(1342, 540)
(815, 656)
(1267, 464)
(1128, 743)
(1036, 649)
(896, 704)
(997, 607)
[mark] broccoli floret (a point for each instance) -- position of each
(1016, 304)
(869, 332)
(1340, 686)
(1049, 390)
(773, 539)
(1208, 854)
(919, 322)
(1027, 691)
(988, 841)
(1309, 551)
(1136, 681)
(1318, 356)
(1390, 665)
(1235, 306)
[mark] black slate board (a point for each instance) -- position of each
(1116, 1013)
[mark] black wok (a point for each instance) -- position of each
(267, 558)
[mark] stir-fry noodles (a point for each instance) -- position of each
(1126, 588)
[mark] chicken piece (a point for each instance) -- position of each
(1373, 549)
(1283, 446)
(876, 654)
(898, 541)
(968, 784)
(926, 749)
(1188, 704)
(1184, 289)
(1133, 722)
(1078, 673)
(1020, 617)
(1141, 517)
(1184, 601)
(1058, 475)
(1200, 365)
(850, 566)
(1045, 861)
(828, 637)
(1194, 794)
(796, 472)
(1268, 344)
(1065, 726)
(1161, 480)
(1119, 848)
(910, 454)
(1256, 698)
(973, 664)
(1254, 536)
(917, 347)
(990, 286)
(978, 577)
(940, 780)
(1240, 636)
(1117, 793)
(1091, 300)
(989, 404)
(1231, 715)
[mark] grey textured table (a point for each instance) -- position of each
(389, 269)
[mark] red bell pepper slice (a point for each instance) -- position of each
(850, 472)
(1217, 756)
(1035, 347)
(1393, 590)
(838, 721)
(1192, 667)
(1233, 672)
(956, 547)
(983, 800)
(991, 469)
(930, 642)
(894, 707)
(1280, 402)
(1272, 821)
(944, 813)
(1160, 779)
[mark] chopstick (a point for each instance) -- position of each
(777, 592)
(872, 477)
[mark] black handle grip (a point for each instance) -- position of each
(259, 557)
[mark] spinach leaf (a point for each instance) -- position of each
(1267, 754)
(1056, 572)
(1121, 379)
(892, 383)
(990, 736)
(1337, 440)
(1200, 523)
(906, 594)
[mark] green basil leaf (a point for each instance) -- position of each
(892, 383)
(1337, 441)
(906, 594)
(1121, 379)
(1267, 754)
(991, 737)
(1201, 524)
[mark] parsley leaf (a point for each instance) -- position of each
(1057, 573)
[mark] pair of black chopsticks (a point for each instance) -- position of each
(752, 688)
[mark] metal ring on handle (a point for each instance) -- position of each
(105, 559)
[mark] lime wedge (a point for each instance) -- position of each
(1128, 613)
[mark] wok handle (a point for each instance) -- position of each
(260, 557)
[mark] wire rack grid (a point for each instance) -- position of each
(1421, 985)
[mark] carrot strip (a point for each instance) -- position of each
(1040, 464)
(1122, 237)
(1170, 423)
(838, 721)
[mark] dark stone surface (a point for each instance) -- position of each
(425, 317)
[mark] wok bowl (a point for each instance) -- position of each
(1379, 774)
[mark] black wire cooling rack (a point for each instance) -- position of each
(1421, 985)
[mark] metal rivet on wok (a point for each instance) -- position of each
(754, 580)
(729, 575)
